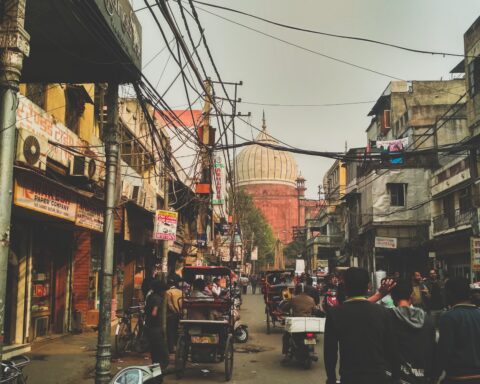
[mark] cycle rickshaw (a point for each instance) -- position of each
(278, 286)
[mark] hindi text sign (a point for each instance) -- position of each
(165, 225)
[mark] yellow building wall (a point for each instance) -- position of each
(55, 102)
(342, 178)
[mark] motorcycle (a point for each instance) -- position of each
(330, 300)
(301, 334)
(240, 330)
(237, 297)
(139, 375)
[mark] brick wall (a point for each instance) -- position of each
(81, 271)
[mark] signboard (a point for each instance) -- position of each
(475, 253)
(254, 254)
(299, 266)
(125, 25)
(165, 225)
(386, 242)
(39, 195)
(89, 216)
(218, 181)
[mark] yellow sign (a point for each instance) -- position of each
(475, 254)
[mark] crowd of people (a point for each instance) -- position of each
(397, 340)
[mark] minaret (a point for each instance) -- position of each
(264, 124)
(301, 196)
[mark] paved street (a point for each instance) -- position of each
(71, 359)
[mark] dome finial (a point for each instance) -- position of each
(264, 124)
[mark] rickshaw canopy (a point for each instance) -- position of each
(191, 272)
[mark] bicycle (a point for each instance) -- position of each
(126, 338)
(11, 371)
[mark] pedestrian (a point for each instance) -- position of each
(420, 291)
(361, 330)
(153, 323)
(459, 342)
(414, 337)
(174, 298)
(311, 291)
(253, 283)
(436, 302)
(244, 283)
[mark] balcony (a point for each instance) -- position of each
(455, 219)
(326, 241)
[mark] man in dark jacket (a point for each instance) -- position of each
(459, 343)
(436, 301)
(363, 333)
(414, 335)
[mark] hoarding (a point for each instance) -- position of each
(165, 225)
(386, 242)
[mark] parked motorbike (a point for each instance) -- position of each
(139, 375)
(240, 330)
(237, 297)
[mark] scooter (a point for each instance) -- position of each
(240, 330)
(139, 375)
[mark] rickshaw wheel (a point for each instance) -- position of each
(268, 321)
(180, 357)
(229, 358)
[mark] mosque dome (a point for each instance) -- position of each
(257, 164)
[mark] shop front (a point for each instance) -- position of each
(46, 281)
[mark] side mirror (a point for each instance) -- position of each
(129, 376)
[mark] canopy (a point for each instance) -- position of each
(189, 272)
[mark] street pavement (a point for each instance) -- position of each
(71, 359)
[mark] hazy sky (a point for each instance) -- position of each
(273, 72)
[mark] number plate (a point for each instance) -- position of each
(310, 341)
(205, 339)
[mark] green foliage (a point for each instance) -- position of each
(252, 221)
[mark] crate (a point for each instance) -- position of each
(304, 324)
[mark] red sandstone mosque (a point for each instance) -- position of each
(272, 178)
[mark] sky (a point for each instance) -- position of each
(276, 73)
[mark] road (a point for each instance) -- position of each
(71, 359)
(263, 363)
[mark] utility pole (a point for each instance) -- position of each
(14, 47)
(110, 138)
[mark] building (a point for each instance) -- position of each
(271, 177)
(325, 232)
(388, 185)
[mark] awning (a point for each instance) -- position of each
(82, 41)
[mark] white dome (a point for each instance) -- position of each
(261, 165)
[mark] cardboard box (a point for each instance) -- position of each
(304, 324)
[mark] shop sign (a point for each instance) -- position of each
(38, 195)
(33, 118)
(475, 253)
(254, 254)
(218, 176)
(165, 225)
(89, 216)
(386, 242)
(125, 25)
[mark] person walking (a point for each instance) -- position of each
(420, 291)
(173, 297)
(436, 302)
(414, 336)
(362, 331)
(253, 283)
(153, 323)
(459, 342)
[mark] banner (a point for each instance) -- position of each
(165, 225)
(475, 254)
(89, 216)
(218, 181)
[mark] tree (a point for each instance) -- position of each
(293, 250)
(252, 221)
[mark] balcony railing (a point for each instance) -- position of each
(326, 240)
(452, 220)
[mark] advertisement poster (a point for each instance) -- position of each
(89, 216)
(475, 253)
(165, 225)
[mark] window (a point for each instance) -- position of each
(465, 200)
(398, 192)
(474, 76)
(35, 92)
(75, 99)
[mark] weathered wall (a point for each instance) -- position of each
(472, 49)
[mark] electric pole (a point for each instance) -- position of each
(110, 137)
(14, 47)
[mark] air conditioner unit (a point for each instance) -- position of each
(138, 195)
(84, 166)
(127, 190)
(31, 149)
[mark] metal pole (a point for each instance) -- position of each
(13, 48)
(102, 369)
